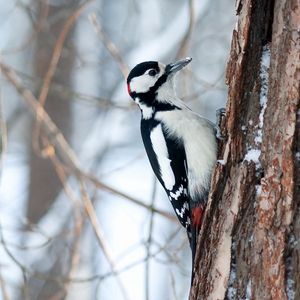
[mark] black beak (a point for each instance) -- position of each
(178, 65)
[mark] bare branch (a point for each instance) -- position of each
(40, 23)
(53, 65)
(3, 134)
(184, 44)
(3, 288)
(58, 49)
(110, 46)
(60, 145)
(90, 210)
(148, 243)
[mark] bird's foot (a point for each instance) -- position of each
(220, 115)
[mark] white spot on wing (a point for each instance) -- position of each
(181, 212)
(177, 193)
(160, 148)
(200, 146)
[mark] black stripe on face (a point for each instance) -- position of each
(161, 80)
(141, 68)
(149, 98)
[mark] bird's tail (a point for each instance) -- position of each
(196, 218)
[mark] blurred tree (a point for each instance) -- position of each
(44, 184)
(54, 56)
(249, 249)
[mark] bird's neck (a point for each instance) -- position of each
(149, 112)
(167, 94)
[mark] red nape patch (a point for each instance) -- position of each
(197, 214)
(128, 88)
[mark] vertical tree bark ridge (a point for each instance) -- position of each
(276, 203)
(244, 238)
(212, 264)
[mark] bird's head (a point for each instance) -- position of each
(153, 81)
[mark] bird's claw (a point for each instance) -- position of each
(220, 114)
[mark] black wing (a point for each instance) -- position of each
(168, 160)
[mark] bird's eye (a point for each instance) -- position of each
(152, 72)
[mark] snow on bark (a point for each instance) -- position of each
(264, 87)
(264, 97)
(231, 291)
(253, 154)
(290, 282)
(275, 205)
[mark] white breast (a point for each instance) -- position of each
(200, 145)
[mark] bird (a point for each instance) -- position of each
(181, 145)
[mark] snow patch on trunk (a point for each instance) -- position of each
(253, 154)
(248, 290)
(290, 282)
(264, 82)
(231, 291)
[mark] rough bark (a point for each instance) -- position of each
(248, 247)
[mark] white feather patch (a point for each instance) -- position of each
(200, 145)
(160, 148)
(142, 84)
(147, 111)
(181, 212)
(177, 193)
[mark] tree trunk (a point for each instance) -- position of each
(248, 246)
(44, 184)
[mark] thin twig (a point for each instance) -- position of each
(184, 44)
(70, 93)
(58, 50)
(3, 134)
(78, 221)
(57, 140)
(53, 65)
(109, 45)
(55, 136)
(89, 208)
(18, 264)
(3, 288)
(63, 279)
(34, 32)
(112, 190)
(173, 285)
(148, 243)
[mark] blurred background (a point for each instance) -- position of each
(81, 215)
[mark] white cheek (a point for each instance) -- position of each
(142, 84)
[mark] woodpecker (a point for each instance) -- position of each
(180, 144)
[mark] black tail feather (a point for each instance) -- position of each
(193, 244)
